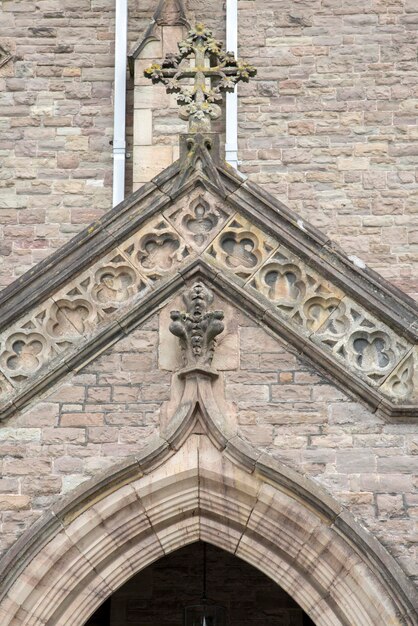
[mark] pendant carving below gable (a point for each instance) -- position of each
(197, 327)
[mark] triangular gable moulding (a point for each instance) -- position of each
(201, 220)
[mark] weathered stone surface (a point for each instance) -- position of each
(343, 156)
(264, 513)
(226, 353)
(111, 409)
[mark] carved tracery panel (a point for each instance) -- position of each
(198, 217)
(241, 247)
(25, 350)
(298, 292)
(402, 384)
(365, 344)
(198, 224)
(99, 293)
(70, 316)
(156, 250)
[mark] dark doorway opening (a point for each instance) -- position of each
(157, 595)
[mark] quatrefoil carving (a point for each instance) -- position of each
(371, 352)
(282, 284)
(198, 218)
(318, 309)
(200, 221)
(241, 247)
(24, 354)
(240, 250)
(114, 284)
(158, 251)
(70, 318)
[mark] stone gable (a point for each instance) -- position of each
(201, 362)
(113, 407)
(201, 217)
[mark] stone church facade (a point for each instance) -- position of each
(226, 356)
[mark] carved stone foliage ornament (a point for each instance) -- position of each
(199, 103)
(197, 327)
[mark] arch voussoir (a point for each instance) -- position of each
(199, 493)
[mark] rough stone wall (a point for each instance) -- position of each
(287, 408)
(103, 414)
(329, 125)
(110, 410)
(56, 116)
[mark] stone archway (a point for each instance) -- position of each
(266, 515)
(159, 593)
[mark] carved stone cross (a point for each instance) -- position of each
(199, 102)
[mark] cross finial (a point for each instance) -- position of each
(198, 103)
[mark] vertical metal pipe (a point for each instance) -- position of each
(119, 100)
(231, 147)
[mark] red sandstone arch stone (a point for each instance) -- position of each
(190, 488)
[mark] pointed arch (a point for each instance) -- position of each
(222, 494)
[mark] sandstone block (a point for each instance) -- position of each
(390, 506)
(81, 419)
(142, 128)
(355, 461)
(10, 502)
(26, 467)
(290, 393)
(150, 161)
(98, 394)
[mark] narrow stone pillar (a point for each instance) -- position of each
(156, 123)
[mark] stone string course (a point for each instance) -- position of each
(110, 410)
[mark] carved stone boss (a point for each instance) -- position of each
(197, 328)
(198, 102)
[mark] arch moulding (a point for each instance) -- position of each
(200, 483)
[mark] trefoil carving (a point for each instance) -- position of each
(197, 328)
